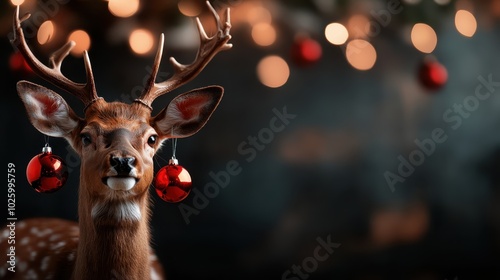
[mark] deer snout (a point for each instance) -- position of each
(122, 165)
(122, 175)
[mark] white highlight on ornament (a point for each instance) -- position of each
(361, 54)
(336, 33)
(466, 23)
(273, 71)
(123, 8)
(423, 37)
(45, 32)
(121, 183)
(82, 40)
(141, 41)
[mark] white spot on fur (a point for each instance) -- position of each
(58, 245)
(24, 241)
(34, 230)
(71, 256)
(33, 255)
(42, 244)
(31, 274)
(121, 184)
(21, 224)
(55, 237)
(22, 266)
(45, 263)
(3, 270)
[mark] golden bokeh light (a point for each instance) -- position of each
(123, 8)
(263, 34)
(17, 2)
(358, 26)
(336, 33)
(45, 32)
(190, 8)
(259, 14)
(141, 41)
(82, 40)
(361, 54)
(423, 37)
(273, 71)
(466, 23)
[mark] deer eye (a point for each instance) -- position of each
(86, 140)
(152, 140)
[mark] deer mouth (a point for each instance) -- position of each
(120, 183)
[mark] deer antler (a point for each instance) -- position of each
(85, 92)
(209, 47)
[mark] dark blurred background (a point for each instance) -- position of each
(336, 170)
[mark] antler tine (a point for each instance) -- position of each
(85, 92)
(209, 47)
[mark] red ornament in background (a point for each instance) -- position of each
(17, 63)
(46, 172)
(306, 51)
(173, 182)
(432, 74)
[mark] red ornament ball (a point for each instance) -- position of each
(433, 75)
(172, 183)
(46, 172)
(306, 51)
(17, 63)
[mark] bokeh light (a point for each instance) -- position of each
(259, 14)
(82, 40)
(123, 8)
(17, 2)
(190, 8)
(423, 37)
(361, 54)
(336, 33)
(45, 32)
(358, 26)
(263, 34)
(273, 71)
(466, 23)
(141, 41)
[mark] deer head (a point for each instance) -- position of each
(117, 141)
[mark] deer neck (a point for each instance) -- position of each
(114, 237)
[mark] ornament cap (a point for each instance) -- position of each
(173, 161)
(47, 150)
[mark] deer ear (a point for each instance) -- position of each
(188, 112)
(47, 110)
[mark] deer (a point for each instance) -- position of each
(116, 143)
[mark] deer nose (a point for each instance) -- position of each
(122, 165)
